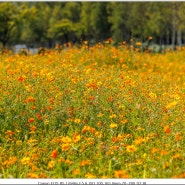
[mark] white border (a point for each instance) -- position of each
(92, 181)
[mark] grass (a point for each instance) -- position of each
(102, 112)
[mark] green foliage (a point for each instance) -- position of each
(99, 21)
(86, 18)
(60, 28)
(156, 23)
(8, 21)
(118, 21)
(138, 19)
(50, 22)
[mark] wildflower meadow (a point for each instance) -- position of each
(92, 112)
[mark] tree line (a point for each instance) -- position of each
(48, 23)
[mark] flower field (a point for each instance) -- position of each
(102, 112)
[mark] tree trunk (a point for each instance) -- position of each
(167, 37)
(4, 42)
(173, 30)
(179, 37)
(160, 43)
(173, 37)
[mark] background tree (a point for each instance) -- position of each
(8, 21)
(138, 18)
(64, 22)
(156, 24)
(118, 18)
(99, 21)
(35, 23)
(48, 23)
(178, 17)
(85, 21)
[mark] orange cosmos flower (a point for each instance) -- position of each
(49, 107)
(54, 154)
(76, 137)
(120, 174)
(105, 177)
(9, 132)
(178, 137)
(61, 160)
(32, 107)
(76, 172)
(33, 175)
(167, 129)
(110, 98)
(100, 123)
(31, 120)
(67, 161)
(29, 99)
(163, 152)
(176, 156)
(85, 162)
(165, 165)
(21, 78)
(33, 128)
(124, 121)
(153, 150)
(138, 43)
(11, 161)
(39, 116)
(92, 85)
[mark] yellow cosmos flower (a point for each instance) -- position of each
(113, 125)
(138, 141)
(152, 95)
(66, 139)
(66, 146)
(171, 105)
(100, 115)
(113, 116)
(76, 138)
(51, 164)
(90, 176)
(77, 120)
(25, 160)
(88, 129)
(130, 148)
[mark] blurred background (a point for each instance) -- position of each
(34, 24)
